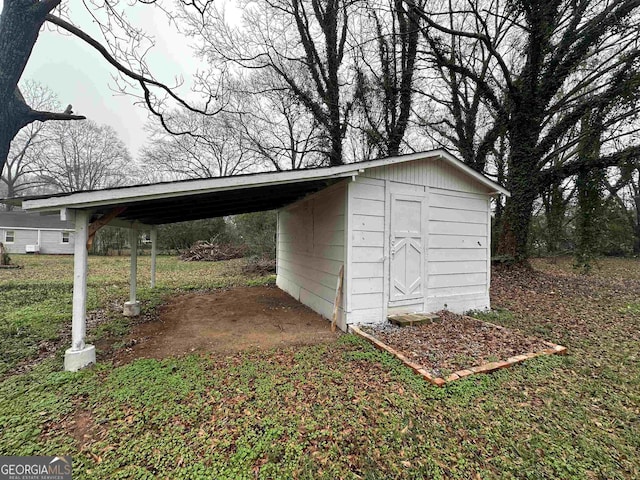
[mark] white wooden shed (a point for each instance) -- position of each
(412, 233)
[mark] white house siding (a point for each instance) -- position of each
(311, 249)
(456, 239)
(50, 241)
(22, 238)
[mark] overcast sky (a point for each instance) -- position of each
(81, 77)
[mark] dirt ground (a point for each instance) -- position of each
(227, 321)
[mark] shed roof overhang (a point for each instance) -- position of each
(170, 202)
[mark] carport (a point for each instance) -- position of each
(143, 207)
(405, 234)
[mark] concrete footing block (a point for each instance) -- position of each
(75, 360)
(131, 309)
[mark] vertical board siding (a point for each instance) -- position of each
(311, 248)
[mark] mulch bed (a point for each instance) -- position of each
(456, 346)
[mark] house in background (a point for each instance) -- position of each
(23, 232)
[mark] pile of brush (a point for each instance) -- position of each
(259, 266)
(202, 251)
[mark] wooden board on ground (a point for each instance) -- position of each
(411, 319)
(336, 304)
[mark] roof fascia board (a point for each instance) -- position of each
(446, 156)
(210, 185)
(499, 189)
(169, 190)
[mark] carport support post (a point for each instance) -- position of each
(154, 252)
(132, 307)
(79, 355)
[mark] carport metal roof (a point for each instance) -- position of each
(169, 202)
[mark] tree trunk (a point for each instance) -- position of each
(554, 213)
(497, 221)
(6, 135)
(636, 226)
(11, 192)
(587, 232)
(523, 185)
(20, 23)
(589, 186)
(13, 117)
(335, 155)
(515, 223)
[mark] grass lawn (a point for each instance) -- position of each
(340, 410)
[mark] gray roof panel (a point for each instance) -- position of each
(20, 219)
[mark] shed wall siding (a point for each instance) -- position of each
(429, 172)
(311, 249)
(458, 251)
(50, 241)
(366, 280)
(457, 239)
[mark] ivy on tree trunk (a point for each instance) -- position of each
(555, 209)
(589, 184)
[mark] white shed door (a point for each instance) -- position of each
(406, 248)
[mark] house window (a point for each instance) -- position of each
(65, 237)
(9, 236)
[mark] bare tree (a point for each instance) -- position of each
(303, 42)
(624, 189)
(455, 109)
(538, 67)
(122, 46)
(277, 128)
(216, 149)
(633, 213)
(20, 173)
(387, 69)
(83, 156)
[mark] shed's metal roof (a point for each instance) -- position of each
(168, 202)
